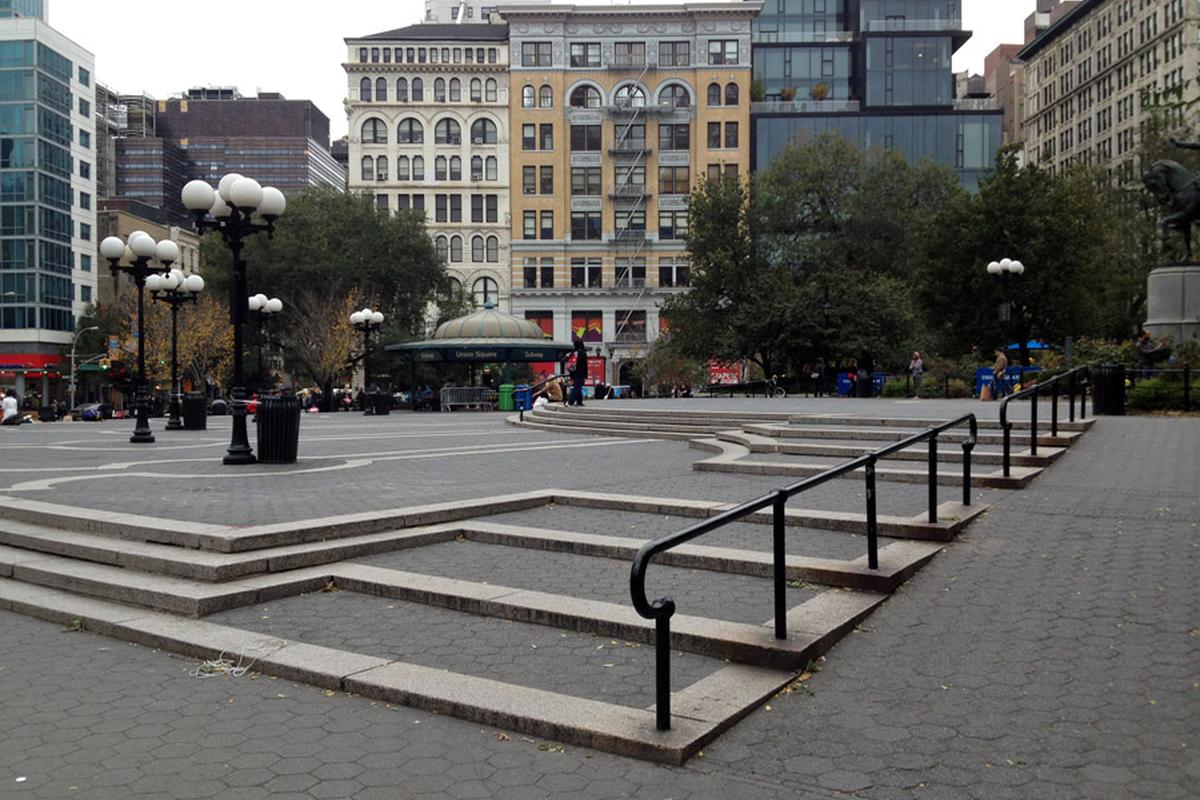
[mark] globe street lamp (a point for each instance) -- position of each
(1004, 268)
(139, 252)
(262, 309)
(366, 321)
(230, 211)
(175, 289)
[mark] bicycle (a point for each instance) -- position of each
(775, 388)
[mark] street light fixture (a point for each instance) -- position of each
(230, 211)
(175, 289)
(1004, 268)
(262, 309)
(75, 341)
(139, 251)
(367, 322)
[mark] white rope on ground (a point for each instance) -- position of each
(221, 665)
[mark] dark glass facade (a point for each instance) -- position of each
(23, 8)
(876, 71)
(36, 226)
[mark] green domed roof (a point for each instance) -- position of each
(488, 323)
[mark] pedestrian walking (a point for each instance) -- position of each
(1000, 374)
(818, 377)
(916, 368)
(579, 374)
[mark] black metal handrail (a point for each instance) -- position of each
(1072, 378)
(661, 610)
(534, 386)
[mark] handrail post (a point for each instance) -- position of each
(1187, 388)
(1007, 428)
(1054, 409)
(872, 520)
(933, 479)
(968, 446)
(1072, 393)
(1083, 390)
(662, 672)
(1033, 423)
(780, 566)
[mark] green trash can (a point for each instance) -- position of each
(505, 397)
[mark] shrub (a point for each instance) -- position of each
(960, 388)
(1103, 351)
(895, 387)
(1186, 354)
(1158, 394)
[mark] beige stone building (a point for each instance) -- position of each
(1091, 76)
(617, 112)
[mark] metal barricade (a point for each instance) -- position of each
(476, 398)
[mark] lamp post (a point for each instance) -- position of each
(262, 309)
(367, 321)
(230, 211)
(175, 289)
(74, 341)
(1004, 268)
(139, 252)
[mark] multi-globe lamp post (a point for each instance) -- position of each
(366, 322)
(263, 309)
(1004, 268)
(230, 211)
(174, 288)
(138, 253)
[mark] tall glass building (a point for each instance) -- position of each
(23, 8)
(876, 71)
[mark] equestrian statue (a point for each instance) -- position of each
(1178, 190)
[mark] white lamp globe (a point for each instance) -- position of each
(273, 203)
(993, 268)
(356, 318)
(197, 196)
(220, 209)
(112, 248)
(1005, 264)
(253, 303)
(167, 251)
(246, 194)
(142, 246)
(169, 282)
(154, 283)
(179, 277)
(274, 305)
(136, 234)
(366, 314)
(262, 300)
(193, 284)
(226, 185)
(377, 318)
(1017, 267)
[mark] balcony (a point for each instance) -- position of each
(976, 104)
(631, 235)
(805, 107)
(638, 148)
(628, 191)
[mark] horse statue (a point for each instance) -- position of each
(1178, 190)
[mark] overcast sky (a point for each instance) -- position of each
(162, 47)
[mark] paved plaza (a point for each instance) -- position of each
(1050, 651)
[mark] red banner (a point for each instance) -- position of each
(724, 372)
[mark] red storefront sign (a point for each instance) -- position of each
(597, 366)
(723, 372)
(31, 365)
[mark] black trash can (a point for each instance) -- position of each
(219, 407)
(278, 429)
(195, 411)
(1108, 390)
(382, 402)
(47, 414)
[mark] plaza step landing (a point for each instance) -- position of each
(948, 452)
(893, 434)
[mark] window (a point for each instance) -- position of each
(585, 181)
(674, 180)
(418, 166)
(476, 168)
(630, 273)
(441, 246)
(530, 275)
(381, 202)
(441, 206)
(630, 97)
(483, 131)
(85, 231)
(493, 53)
(674, 137)
(486, 291)
(546, 136)
(493, 250)
(630, 224)
(536, 54)
(455, 90)
(714, 135)
(586, 273)
(672, 224)
(493, 169)
(585, 54)
(631, 325)
(631, 179)
(493, 207)
(676, 96)
(630, 138)
(477, 248)
(722, 51)
(85, 169)
(731, 94)
(529, 137)
(529, 225)
(381, 168)
(585, 138)
(410, 132)
(418, 90)
(731, 171)
(547, 180)
(374, 132)
(476, 90)
(455, 168)
(362, 55)
(731, 134)
(477, 209)
(714, 94)
(585, 225)
(585, 97)
(456, 208)
(629, 55)
(387, 55)
(546, 97)
(672, 272)
(447, 131)
(528, 180)
(402, 168)
(674, 54)
(490, 93)
(364, 90)
(547, 225)
(587, 325)
(381, 88)
(85, 262)
(456, 249)
(85, 138)
(439, 90)
(374, 55)
(401, 90)
(714, 172)
(528, 97)
(85, 201)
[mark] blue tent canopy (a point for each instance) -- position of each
(1032, 344)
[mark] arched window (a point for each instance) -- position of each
(439, 90)
(442, 245)
(455, 90)
(418, 90)
(454, 287)
(410, 132)
(418, 168)
(455, 168)
(714, 94)
(486, 291)
(381, 168)
(364, 90)
(381, 90)
(476, 168)
(402, 168)
(447, 131)
(631, 97)
(374, 132)
(493, 249)
(401, 90)
(546, 97)
(731, 94)
(676, 96)
(528, 97)
(585, 97)
(477, 248)
(476, 90)
(439, 168)
(493, 170)
(483, 131)
(489, 90)
(456, 249)
(368, 168)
